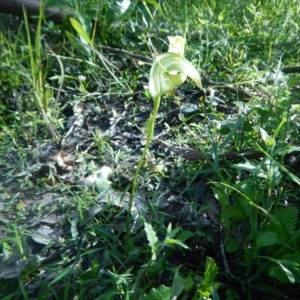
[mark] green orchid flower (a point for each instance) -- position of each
(171, 69)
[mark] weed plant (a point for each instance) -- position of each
(251, 250)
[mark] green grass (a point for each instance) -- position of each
(251, 245)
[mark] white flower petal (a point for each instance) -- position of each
(177, 44)
(168, 71)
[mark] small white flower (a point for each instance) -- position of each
(82, 77)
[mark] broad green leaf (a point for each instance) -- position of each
(185, 235)
(231, 245)
(294, 81)
(278, 273)
(295, 178)
(222, 196)
(177, 285)
(247, 188)
(189, 283)
(287, 219)
(286, 149)
(266, 239)
(288, 273)
(152, 239)
(80, 30)
(253, 168)
(146, 13)
(288, 269)
(234, 213)
(161, 293)
(86, 23)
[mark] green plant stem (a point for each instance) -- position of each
(24, 293)
(62, 77)
(19, 243)
(150, 133)
(37, 79)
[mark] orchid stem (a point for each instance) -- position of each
(150, 133)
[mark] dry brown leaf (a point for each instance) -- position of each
(65, 161)
(185, 152)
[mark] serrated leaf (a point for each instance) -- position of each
(152, 239)
(161, 293)
(211, 270)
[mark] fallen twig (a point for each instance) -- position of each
(191, 154)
